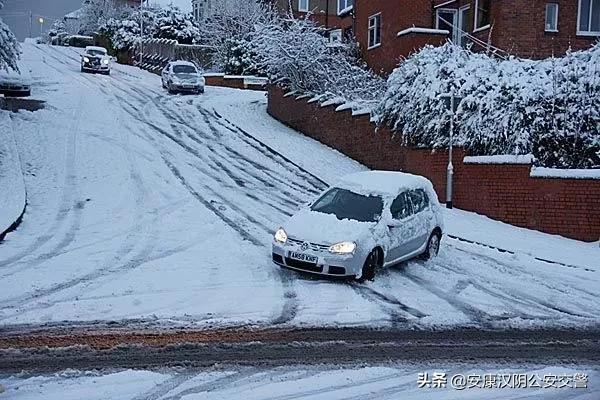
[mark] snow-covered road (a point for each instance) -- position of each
(150, 207)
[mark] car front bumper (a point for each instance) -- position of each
(328, 264)
(95, 67)
(183, 87)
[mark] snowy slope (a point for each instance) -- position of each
(306, 382)
(157, 208)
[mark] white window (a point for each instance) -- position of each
(551, 17)
(482, 14)
(335, 36)
(343, 5)
(374, 31)
(303, 5)
(589, 18)
(446, 20)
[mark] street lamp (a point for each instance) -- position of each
(451, 103)
(141, 32)
(41, 21)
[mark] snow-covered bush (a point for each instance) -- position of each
(241, 58)
(550, 108)
(124, 34)
(9, 47)
(172, 23)
(234, 21)
(297, 54)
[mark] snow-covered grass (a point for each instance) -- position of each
(310, 382)
(158, 207)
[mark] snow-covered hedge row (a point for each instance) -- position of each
(548, 108)
(297, 54)
(9, 47)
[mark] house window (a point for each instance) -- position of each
(343, 5)
(446, 20)
(303, 5)
(589, 17)
(335, 36)
(482, 14)
(551, 17)
(374, 30)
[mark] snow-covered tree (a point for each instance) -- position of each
(234, 21)
(9, 47)
(297, 53)
(550, 108)
(172, 23)
(96, 13)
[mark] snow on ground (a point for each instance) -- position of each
(162, 208)
(311, 382)
(12, 192)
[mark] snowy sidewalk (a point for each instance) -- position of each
(12, 194)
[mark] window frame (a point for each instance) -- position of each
(476, 27)
(454, 33)
(589, 32)
(556, 8)
(374, 28)
(300, 8)
(340, 9)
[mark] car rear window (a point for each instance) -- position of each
(345, 204)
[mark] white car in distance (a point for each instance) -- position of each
(182, 76)
(367, 221)
(95, 59)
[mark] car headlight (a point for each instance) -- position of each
(105, 61)
(85, 59)
(343, 248)
(202, 81)
(281, 236)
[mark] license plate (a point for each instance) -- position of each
(303, 257)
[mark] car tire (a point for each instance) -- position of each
(433, 246)
(170, 89)
(162, 81)
(369, 267)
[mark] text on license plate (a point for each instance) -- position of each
(303, 257)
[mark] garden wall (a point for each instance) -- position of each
(507, 192)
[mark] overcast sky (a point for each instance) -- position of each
(16, 12)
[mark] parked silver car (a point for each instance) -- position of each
(366, 221)
(95, 59)
(182, 76)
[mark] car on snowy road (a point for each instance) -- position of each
(15, 84)
(366, 221)
(182, 76)
(95, 59)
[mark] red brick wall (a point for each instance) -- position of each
(230, 82)
(568, 207)
(395, 17)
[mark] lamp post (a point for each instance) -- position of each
(41, 21)
(141, 32)
(451, 101)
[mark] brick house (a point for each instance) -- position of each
(388, 30)
(334, 15)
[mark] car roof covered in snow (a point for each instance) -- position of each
(181, 62)
(95, 48)
(387, 183)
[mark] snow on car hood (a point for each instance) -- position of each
(316, 227)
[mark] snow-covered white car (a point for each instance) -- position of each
(95, 59)
(182, 76)
(366, 221)
(15, 84)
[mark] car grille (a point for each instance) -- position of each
(277, 258)
(303, 265)
(311, 246)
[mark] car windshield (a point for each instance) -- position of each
(345, 204)
(96, 53)
(184, 69)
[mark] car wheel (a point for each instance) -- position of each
(162, 81)
(82, 70)
(369, 267)
(170, 89)
(433, 246)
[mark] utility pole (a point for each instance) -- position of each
(30, 23)
(41, 21)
